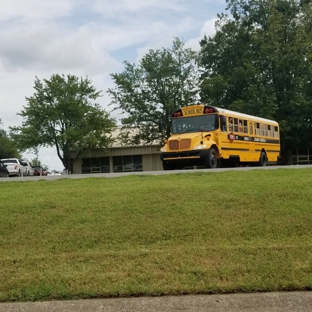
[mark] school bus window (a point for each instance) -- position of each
(194, 124)
(250, 128)
(223, 123)
(245, 126)
(276, 132)
(240, 126)
(235, 125)
(264, 129)
(257, 128)
(231, 124)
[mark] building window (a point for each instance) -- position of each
(95, 165)
(127, 163)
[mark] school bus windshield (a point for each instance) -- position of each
(195, 124)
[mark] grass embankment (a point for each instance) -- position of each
(153, 235)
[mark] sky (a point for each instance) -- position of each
(87, 38)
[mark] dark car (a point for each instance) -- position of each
(39, 171)
(3, 170)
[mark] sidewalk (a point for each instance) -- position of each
(258, 302)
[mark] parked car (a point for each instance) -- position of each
(14, 166)
(4, 172)
(28, 168)
(132, 167)
(39, 171)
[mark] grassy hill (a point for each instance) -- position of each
(199, 232)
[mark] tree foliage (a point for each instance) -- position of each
(259, 62)
(8, 147)
(37, 162)
(62, 114)
(146, 93)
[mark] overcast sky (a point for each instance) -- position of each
(87, 38)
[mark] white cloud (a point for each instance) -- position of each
(126, 7)
(22, 10)
(208, 30)
(45, 47)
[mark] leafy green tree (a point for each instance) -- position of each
(146, 93)
(37, 162)
(62, 114)
(259, 62)
(8, 147)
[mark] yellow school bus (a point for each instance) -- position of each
(203, 135)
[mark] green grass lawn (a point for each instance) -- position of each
(200, 232)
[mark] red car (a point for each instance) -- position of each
(39, 171)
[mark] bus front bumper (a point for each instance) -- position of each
(189, 157)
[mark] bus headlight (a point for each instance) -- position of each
(163, 150)
(198, 147)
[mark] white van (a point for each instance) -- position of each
(28, 168)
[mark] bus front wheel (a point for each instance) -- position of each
(263, 159)
(211, 160)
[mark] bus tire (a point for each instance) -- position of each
(168, 166)
(263, 159)
(211, 160)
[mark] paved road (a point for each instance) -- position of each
(161, 172)
(258, 302)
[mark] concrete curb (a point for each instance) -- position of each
(257, 302)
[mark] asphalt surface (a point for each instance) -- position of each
(257, 302)
(160, 172)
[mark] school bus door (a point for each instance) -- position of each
(224, 144)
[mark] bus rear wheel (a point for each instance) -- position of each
(211, 160)
(263, 159)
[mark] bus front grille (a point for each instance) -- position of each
(175, 145)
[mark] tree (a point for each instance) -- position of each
(259, 62)
(150, 91)
(62, 113)
(8, 147)
(36, 162)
